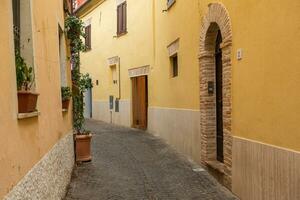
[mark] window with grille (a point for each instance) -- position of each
(122, 18)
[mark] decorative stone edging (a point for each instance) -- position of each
(49, 178)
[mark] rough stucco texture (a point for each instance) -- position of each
(49, 178)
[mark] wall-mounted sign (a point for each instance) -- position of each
(239, 54)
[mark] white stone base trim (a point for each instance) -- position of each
(265, 171)
(179, 127)
(49, 178)
(102, 112)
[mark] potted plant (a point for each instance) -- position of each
(75, 31)
(27, 99)
(82, 137)
(65, 96)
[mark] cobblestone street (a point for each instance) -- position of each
(133, 165)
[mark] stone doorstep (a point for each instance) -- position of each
(216, 165)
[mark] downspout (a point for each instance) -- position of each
(119, 68)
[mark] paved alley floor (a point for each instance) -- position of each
(134, 165)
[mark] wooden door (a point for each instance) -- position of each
(139, 102)
(219, 98)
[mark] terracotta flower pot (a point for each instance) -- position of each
(27, 101)
(83, 148)
(65, 104)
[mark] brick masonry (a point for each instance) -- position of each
(217, 18)
(49, 178)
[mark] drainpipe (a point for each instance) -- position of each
(119, 79)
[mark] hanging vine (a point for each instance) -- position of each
(81, 82)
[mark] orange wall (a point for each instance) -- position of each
(24, 142)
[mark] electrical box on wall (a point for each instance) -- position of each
(111, 102)
(210, 87)
(239, 54)
(117, 103)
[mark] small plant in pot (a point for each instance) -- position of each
(66, 95)
(27, 99)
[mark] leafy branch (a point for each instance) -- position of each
(81, 82)
(24, 73)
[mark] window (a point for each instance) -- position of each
(174, 66)
(88, 37)
(114, 79)
(170, 3)
(122, 19)
(22, 30)
(173, 50)
(62, 57)
(16, 25)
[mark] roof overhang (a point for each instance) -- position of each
(86, 7)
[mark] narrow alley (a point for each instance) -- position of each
(131, 164)
(150, 100)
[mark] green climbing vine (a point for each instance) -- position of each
(81, 82)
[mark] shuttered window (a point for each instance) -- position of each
(88, 37)
(122, 18)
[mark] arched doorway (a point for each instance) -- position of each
(215, 92)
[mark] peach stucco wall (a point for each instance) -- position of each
(24, 142)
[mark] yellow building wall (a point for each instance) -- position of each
(265, 101)
(135, 49)
(181, 21)
(264, 83)
(265, 147)
(24, 142)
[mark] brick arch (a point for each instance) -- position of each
(217, 18)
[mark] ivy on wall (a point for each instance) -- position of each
(74, 28)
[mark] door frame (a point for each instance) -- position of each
(132, 102)
(217, 18)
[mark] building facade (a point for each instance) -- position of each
(37, 153)
(215, 79)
